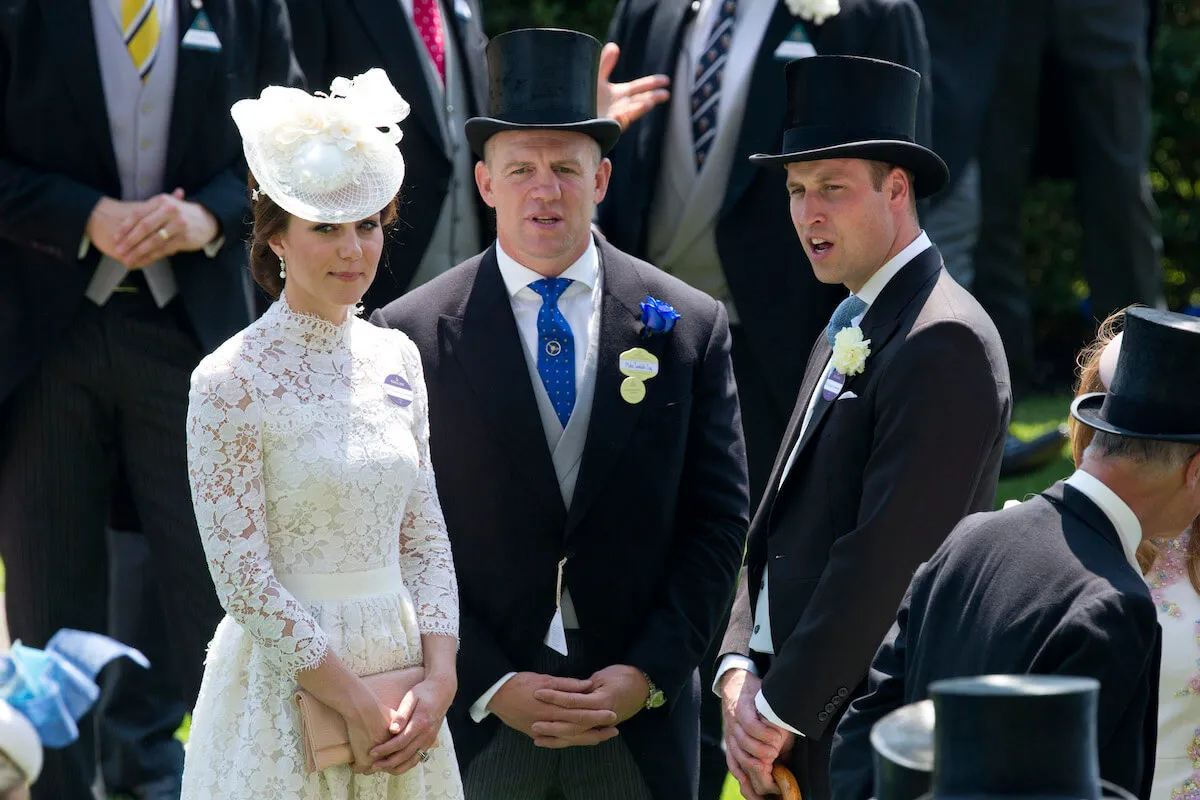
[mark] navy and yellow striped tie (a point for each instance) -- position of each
(139, 26)
(706, 83)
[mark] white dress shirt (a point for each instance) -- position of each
(577, 304)
(760, 640)
(1129, 529)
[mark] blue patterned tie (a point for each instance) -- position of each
(843, 316)
(556, 348)
(706, 83)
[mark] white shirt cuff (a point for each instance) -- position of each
(479, 710)
(760, 703)
(212, 248)
(85, 244)
(729, 662)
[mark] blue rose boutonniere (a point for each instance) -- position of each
(657, 317)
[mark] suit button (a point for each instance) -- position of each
(837, 701)
(822, 716)
(843, 692)
(756, 628)
(830, 708)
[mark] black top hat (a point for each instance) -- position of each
(851, 107)
(543, 78)
(903, 752)
(1155, 391)
(1016, 735)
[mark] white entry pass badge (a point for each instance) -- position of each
(556, 634)
(795, 46)
(201, 36)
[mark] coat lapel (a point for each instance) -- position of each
(487, 346)
(883, 320)
(74, 34)
(1086, 510)
(395, 42)
(194, 70)
(612, 419)
(765, 114)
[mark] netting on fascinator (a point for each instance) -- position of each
(326, 158)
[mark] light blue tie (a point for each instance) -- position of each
(556, 348)
(843, 316)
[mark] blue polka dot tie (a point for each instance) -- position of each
(556, 348)
(843, 316)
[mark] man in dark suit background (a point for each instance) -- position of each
(1095, 57)
(121, 214)
(597, 507)
(1052, 585)
(866, 484)
(688, 200)
(434, 53)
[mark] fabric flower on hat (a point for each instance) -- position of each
(815, 11)
(850, 351)
(326, 158)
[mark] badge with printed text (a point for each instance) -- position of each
(833, 385)
(638, 365)
(398, 390)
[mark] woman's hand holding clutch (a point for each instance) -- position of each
(372, 722)
(417, 721)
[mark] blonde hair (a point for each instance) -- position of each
(1081, 436)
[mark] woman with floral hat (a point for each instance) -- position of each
(308, 452)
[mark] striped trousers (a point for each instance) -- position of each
(512, 768)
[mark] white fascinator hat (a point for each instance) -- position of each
(326, 158)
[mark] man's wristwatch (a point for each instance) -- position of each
(656, 697)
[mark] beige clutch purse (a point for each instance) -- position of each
(326, 738)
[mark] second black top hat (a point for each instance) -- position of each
(542, 78)
(853, 107)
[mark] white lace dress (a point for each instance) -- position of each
(308, 452)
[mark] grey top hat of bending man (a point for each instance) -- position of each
(852, 107)
(543, 78)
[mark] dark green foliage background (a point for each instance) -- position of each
(1051, 231)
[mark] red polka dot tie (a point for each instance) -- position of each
(427, 16)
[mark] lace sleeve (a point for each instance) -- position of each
(224, 448)
(424, 545)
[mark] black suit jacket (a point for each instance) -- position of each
(344, 38)
(781, 304)
(879, 482)
(57, 161)
(1042, 588)
(655, 531)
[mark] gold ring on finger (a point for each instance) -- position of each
(423, 755)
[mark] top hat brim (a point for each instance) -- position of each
(929, 170)
(606, 132)
(1087, 409)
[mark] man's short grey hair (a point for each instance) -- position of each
(1165, 456)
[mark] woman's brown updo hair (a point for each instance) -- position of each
(270, 220)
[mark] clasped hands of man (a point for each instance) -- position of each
(568, 712)
(138, 233)
(752, 744)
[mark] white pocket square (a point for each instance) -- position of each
(848, 396)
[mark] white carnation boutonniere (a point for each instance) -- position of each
(815, 11)
(850, 351)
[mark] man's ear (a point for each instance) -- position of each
(483, 180)
(1192, 471)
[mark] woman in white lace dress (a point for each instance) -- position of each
(308, 450)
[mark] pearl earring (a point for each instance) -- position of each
(282, 268)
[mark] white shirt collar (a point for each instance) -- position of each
(871, 290)
(517, 276)
(1129, 529)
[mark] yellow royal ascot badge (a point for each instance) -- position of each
(638, 365)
